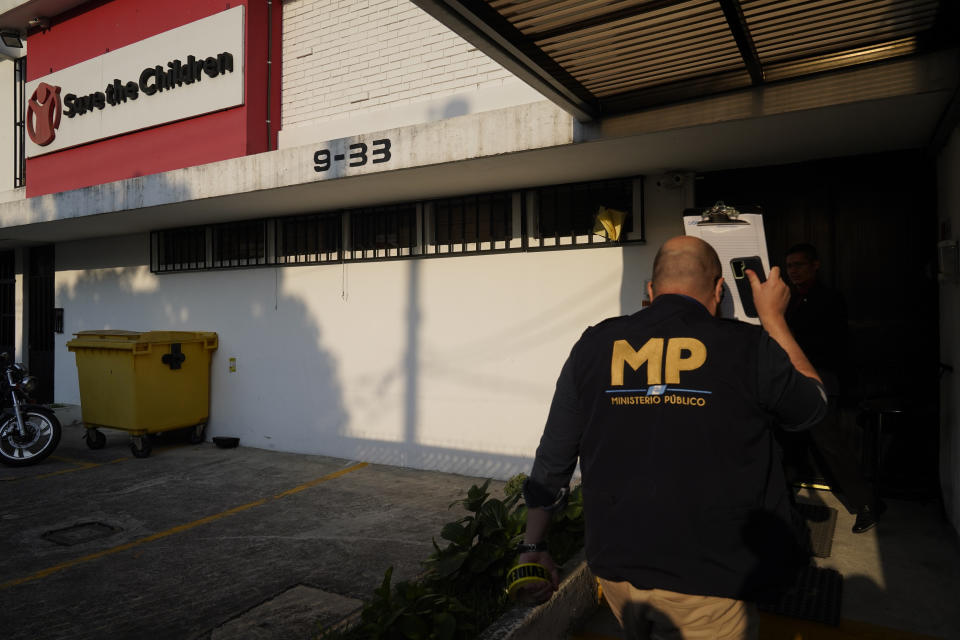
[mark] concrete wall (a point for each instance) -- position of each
(6, 126)
(442, 363)
(365, 65)
(948, 168)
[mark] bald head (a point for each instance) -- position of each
(686, 265)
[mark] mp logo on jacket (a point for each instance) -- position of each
(665, 360)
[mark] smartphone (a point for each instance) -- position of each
(739, 267)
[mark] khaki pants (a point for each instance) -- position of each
(656, 614)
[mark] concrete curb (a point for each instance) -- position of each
(574, 601)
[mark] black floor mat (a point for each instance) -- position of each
(821, 521)
(817, 596)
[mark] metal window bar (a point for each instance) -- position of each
(192, 248)
(193, 245)
(301, 240)
(521, 204)
(239, 244)
(472, 223)
(297, 240)
(178, 250)
(201, 249)
(553, 216)
(19, 122)
(383, 232)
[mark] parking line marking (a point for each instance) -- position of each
(83, 466)
(178, 529)
(313, 483)
(86, 465)
(70, 460)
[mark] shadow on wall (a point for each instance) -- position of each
(403, 385)
(285, 384)
(453, 108)
(290, 391)
(287, 392)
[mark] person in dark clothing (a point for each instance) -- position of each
(670, 412)
(817, 316)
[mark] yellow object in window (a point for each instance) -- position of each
(608, 223)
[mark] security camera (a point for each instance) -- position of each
(671, 180)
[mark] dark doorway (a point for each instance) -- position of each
(873, 220)
(8, 301)
(40, 323)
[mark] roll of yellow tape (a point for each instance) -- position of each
(525, 574)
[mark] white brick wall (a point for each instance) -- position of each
(341, 57)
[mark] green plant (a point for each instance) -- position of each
(462, 591)
(514, 486)
(413, 610)
(479, 551)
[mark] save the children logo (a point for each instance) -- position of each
(43, 114)
(151, 82)
(46, 106)
(662, 369)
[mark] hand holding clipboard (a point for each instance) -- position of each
(738, 237)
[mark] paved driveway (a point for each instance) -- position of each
(199, 542)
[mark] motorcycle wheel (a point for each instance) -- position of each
(42, 437)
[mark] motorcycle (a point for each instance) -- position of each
(28, 432)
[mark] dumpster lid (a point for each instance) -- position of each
(122, 339)
(108, 332)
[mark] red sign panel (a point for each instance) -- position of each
(99, 27)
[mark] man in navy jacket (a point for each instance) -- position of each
(671, 412)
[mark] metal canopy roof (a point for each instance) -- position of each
(601, 57)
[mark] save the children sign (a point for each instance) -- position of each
(182, 73)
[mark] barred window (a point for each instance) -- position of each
(538, 218)
(240, 244)
(309, 239)
(567, 214)
(383, 232)
(179, 249)
(472, 223)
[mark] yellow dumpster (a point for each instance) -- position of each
(143, 382)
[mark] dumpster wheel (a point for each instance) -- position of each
(95, 439)
(196, 433)
(141, 446)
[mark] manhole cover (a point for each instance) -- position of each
(78, 533)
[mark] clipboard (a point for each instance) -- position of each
(732, 234)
